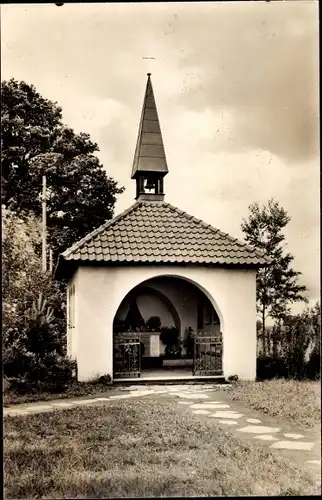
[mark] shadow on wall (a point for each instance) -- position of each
(149, 303)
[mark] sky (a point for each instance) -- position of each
(236, 87)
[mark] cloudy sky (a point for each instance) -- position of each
(236, 86)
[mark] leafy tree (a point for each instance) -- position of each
(312, 316)
(23, 280)
(277, 284)
(34, 319)
(34, 141)
(300, 343)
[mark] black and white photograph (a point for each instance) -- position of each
(160, 180)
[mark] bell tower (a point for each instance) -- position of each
(149, 164)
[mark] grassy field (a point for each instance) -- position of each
(299, 402)
(137, 449)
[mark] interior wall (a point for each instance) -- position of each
(183, 296)
(149, 305)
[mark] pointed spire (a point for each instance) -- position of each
(149, 153)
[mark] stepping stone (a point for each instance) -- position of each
(122, 396)
(266, 437)
(213, 406)
(226, 414)
(37, 409)
(253, 421)
(227, 422)
(190, 396)
(258, 429)
(44, 408)
(316, 462)
(293, 436)
(161, 391)
(292, 445)
(83, 402)
(137, 394)
(201, 412)
(63, 405)
(177, 388)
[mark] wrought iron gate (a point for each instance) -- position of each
(127, 356)
(208, 351)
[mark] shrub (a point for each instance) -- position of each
(189, 343)
(154, 323)
(313, 367)
(170, 338)
(105, 379)
(295, 345)
(33, 357)
(269, 368)
(295, 348)
(5, 384)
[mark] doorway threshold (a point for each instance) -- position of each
(156, 377)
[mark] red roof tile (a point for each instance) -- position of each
(159, 232)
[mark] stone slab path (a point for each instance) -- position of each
(210, 401)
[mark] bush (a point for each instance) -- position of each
(54, 375)
(5, 384)
(170, 338)
(291, 342)
(269, 368)
(33, 355)
(105, 379)
(313, 367)
(153, 323)
(189, 342)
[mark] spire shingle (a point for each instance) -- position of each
(149, 153)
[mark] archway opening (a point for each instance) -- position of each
(167, 327)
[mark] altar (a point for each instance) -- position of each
(151, 343)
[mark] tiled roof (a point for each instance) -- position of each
(149, 153)
(150, 232)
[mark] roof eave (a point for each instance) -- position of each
(66, 267)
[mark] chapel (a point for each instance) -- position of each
(157, 293)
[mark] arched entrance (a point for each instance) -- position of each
(166, 326)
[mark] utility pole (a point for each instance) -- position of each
(44, 224)
(50, 260)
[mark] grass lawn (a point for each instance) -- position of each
(75, 389)
(137, 449)
(299, 402)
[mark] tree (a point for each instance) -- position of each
(34, 141)
(22, 276)
(34, 319)
(277, 284)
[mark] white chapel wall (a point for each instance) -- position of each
(72, 316)
(100, 291)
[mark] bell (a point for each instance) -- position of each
(149, 183)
